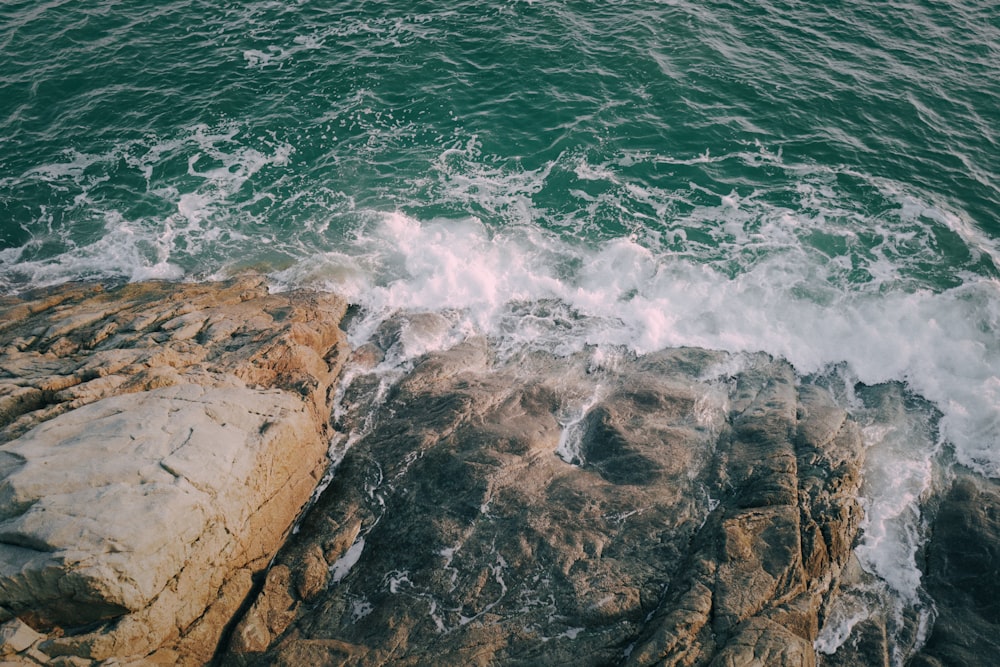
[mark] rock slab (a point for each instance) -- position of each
(158, 443)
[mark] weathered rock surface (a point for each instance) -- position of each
(692, 516)
(963, 576)
(680, 508)
(159, 441)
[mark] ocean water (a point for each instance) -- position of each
(820, 181)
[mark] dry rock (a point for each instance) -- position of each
(158, 443)
(17, 636)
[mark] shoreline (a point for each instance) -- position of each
(85, 363)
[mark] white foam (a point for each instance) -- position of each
(360, 608)
(839, 624)
(345, 563)
(459, 176)
(219, 163)
(571, 437)
(529, 288)
(273, 55)
(123, 249)
(898, 474)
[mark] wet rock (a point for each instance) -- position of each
(158, 442)
(658, 510)
(963, 576)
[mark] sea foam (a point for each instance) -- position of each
(529, 288)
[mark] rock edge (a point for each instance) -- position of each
(159, 440)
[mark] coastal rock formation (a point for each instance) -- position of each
(685, 507)
(159, 440)
(963, 576)
(680, 508)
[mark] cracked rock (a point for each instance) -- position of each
(158, 442)
(664, 511)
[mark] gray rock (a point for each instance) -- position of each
(17, 636)
(963, 576)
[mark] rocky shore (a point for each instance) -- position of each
(159, 442)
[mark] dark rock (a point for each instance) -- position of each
(963, 576)
(705, 521)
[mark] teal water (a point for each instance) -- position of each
(290, 124)
(819, 181)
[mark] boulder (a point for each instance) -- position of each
(159, 441)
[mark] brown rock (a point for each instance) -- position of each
(160, 440)
(703, 521)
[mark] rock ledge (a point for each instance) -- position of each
(159, 440)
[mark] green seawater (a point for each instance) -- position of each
(292, 124)
(820, 181)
